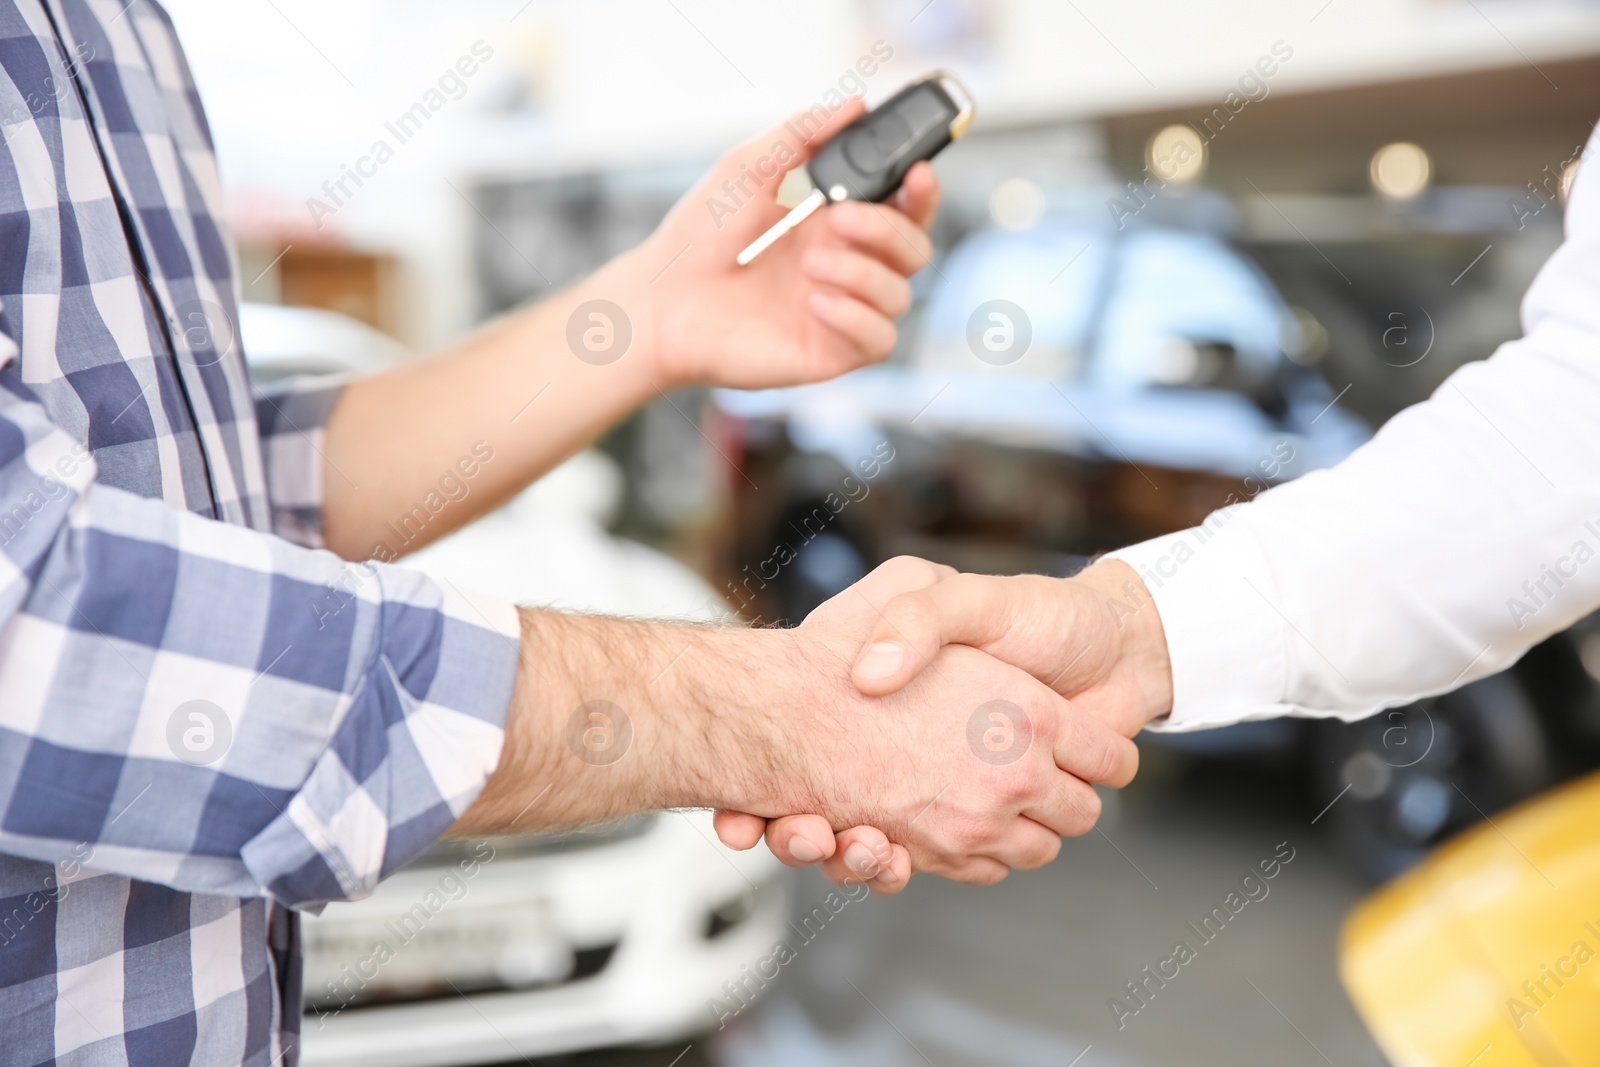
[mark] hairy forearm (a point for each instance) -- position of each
(613, 716)
(418, 451)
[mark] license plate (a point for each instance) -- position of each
(353, 958)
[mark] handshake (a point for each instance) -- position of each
(921, 720)
(987, 709)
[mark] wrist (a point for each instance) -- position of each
(610, 321)
(613, 716)
(639, 275)
(1140, 666)
(740, 748)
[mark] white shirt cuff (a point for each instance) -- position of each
(1214, 590)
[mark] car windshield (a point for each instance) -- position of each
(1117, 310)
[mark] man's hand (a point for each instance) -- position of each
(536, 385)
(1095, 638)
(820, 302)
(973, 769)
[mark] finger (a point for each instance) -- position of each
(756, 167)
(976, 870)
(1069, 809)
(1090, 750)
(896, 875)
(865, 328)
(862, 854)
(809, 129)
(800, 840)
(1027, 845)
(919, 195)
(901, 574)
(737, 830)
(882, 232)
(965, 609)
(801, 134)
(862, 277)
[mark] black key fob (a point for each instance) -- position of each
(868, 159)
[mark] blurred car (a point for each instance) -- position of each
(1073, 388)
(510, 947)
(1488, 952)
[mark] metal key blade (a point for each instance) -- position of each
(801, 212)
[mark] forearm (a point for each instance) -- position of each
(524, 393)
(613, 716)
(418, 451)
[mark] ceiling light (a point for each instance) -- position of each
(1400, 171)
(1016, 204)
(1176, 154)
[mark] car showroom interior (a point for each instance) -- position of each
(1185, 254)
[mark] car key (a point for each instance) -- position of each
(868, 159)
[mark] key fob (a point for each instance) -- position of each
(868, 159)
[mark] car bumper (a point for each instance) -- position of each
(649, 900)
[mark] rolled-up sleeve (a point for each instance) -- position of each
(293, 417)
(214, 708)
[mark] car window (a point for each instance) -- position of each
(1177, 299)
(1051, 272)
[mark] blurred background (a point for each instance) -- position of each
(1188, 251)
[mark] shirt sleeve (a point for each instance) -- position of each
(292, 417)
(215, 709)
(1464, 533)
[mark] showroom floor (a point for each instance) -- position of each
(1021, 974)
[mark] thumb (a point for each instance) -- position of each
(805, 131)
(967, 609)
(756, 167)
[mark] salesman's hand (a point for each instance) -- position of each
(820, 302)
(1095, 638)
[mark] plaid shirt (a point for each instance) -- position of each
(204, 720)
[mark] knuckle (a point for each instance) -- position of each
(855, 271)
(884, 343)
(914, 613)
(985, 874)
(899, 301)
(1085, 808)
(969, 834)
(1108, 760)
(1016, 790)
(1048, 729)
(1124, 759)
(907, 570)
(1042, 854)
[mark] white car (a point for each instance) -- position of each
(484, 951)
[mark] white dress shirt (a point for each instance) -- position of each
(1464, 533)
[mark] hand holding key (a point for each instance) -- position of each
(819, 304)
(870, 158)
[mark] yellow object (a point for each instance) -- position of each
(1488, 953)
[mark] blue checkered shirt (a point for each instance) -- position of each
(205, 720)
